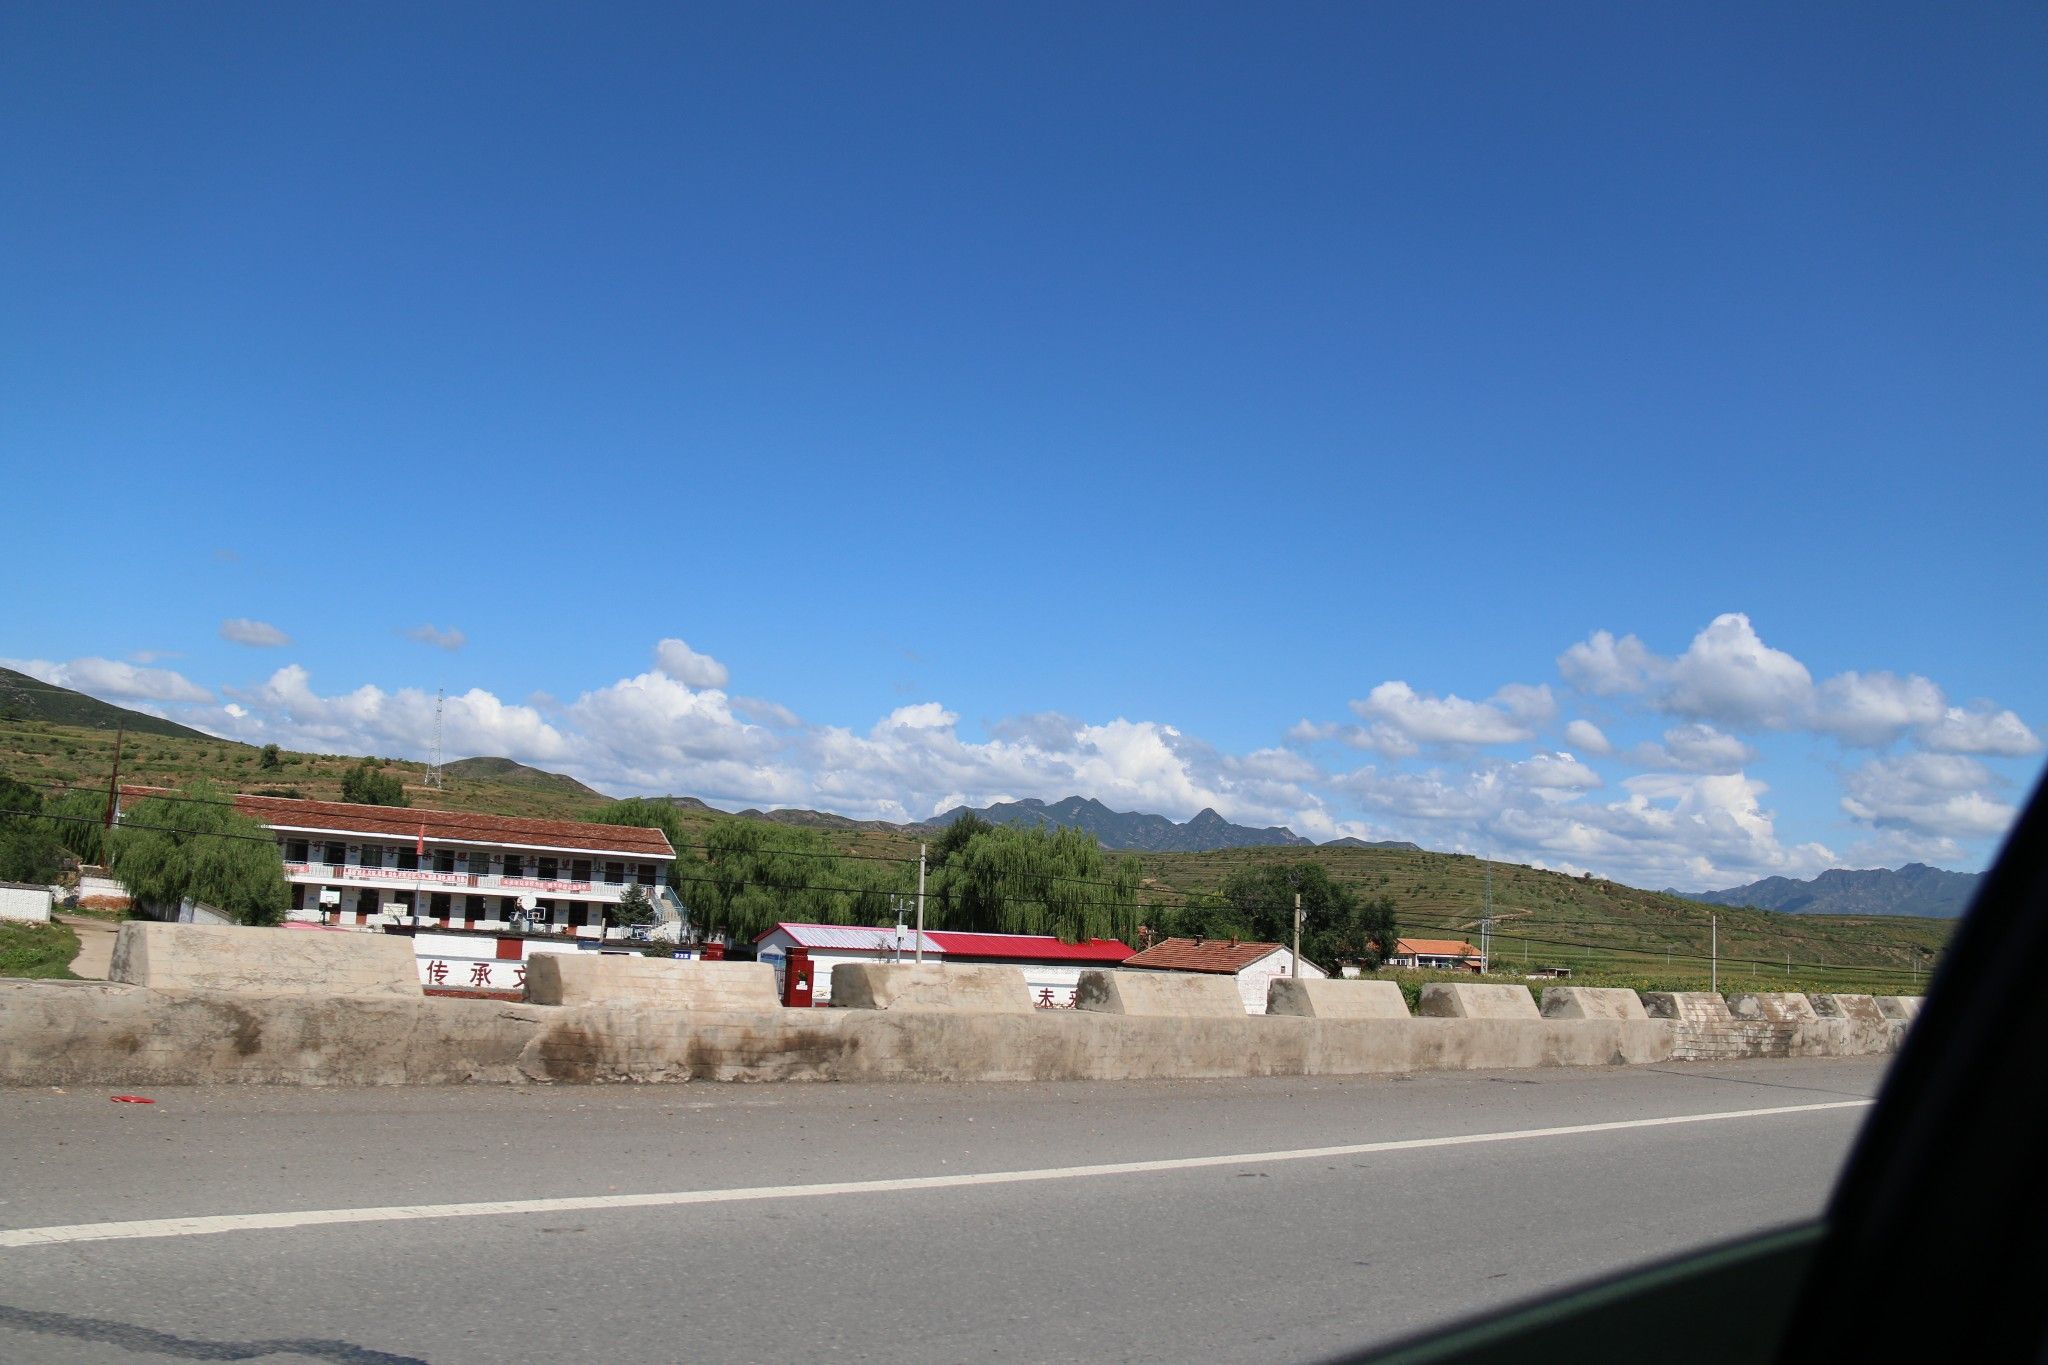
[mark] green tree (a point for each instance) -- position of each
(199, 847)
(1010, 880)
(1336, 926)
(640, 812)
(633, 907)
(78, 821)
(751, 874)
(369, 785)
(29, 851)
(271, 757)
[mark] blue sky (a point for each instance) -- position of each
(1060, 398)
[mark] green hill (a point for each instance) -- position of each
(32, 699)
(517, 774)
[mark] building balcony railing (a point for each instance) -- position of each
(407, 879)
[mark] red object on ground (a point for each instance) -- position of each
(130, 1099)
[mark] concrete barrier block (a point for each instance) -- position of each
(204, 957)
(1200, 995)
(1591, 1002)
(1691, 1007)
(1779, 1007)
(1459, 1000)
(1900, 1008)
(599, 979)
(957, 988)
(1862, 1008)
(1332, 999)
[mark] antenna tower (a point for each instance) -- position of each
(434, 768)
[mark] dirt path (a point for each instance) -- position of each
(95, 944)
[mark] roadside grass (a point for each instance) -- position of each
(42, 951)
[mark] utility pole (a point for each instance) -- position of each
(114, 780)
(1297, 935)
(1714, 929)
(1486, 927)
(920, 902)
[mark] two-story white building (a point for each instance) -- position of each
(367, 866)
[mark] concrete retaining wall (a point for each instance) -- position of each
(952, 988)
(1591, 1002)
(663, 983)
(96, 1033)
(262, 961)
(1317, 998)
(1766, 1025)
(1165, 995)
(1459, 1000)
(1786, 1007)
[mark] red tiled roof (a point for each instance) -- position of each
(1434, 947)
(1201, 955)
(440, 826)
(1028, 947)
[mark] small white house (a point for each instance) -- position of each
(23, 901)
(1253, 965)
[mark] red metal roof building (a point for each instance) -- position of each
(1052, 969)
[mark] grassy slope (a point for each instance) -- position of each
(37, 950)
(23, 698)
(1543, 919)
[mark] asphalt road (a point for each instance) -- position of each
(1246, 1236)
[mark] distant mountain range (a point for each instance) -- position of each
(26, 698)
(1126, 829)
(1915, 889)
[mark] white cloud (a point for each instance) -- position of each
(1873, 709)
(370, 720)
(1728, 674)
(241, 630)
(1943, 795)
(1695, 747)
(1606, 667)
(1584, 734)
(450, 639)
(1980, 728)
(1558, 772)
(1405, 717)
(764, 712)
(687, 666)
(1668, 830)
(113, 680)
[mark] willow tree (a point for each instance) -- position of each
(195, 845)
(751, 875)
(1004, 879)
(640, 812)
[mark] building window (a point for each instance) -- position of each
(514, 865)
(644, 874)
(614, 873)
(474, 908)
(545, 869)
(337, 854)
(438, 904)
(372, 855)
(579, 870)
(409, 859)
(444, 860)
(295, 850)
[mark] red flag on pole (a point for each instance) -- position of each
(420, 845)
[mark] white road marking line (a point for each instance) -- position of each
(206, 1225)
